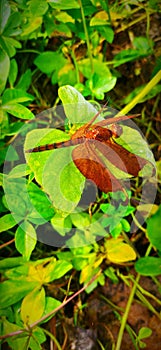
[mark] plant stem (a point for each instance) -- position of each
(87, 36)
(125, 316)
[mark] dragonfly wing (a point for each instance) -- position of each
(121, 157)
(93, 168)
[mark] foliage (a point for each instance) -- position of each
(53, 46)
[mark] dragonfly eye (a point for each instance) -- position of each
(116, 130)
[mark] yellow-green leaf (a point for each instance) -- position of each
(33, 306)
(118, 251)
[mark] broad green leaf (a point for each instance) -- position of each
(15, 96)
(19, 171)
(33, 306)
(63, 4)
(12, 27)
(13, 72)
(50, 305)
(25, 239)
(18, 271)
(148, 266)
(100, 18)
(143, 49)
(53, 169)
(50, 61)
(106, 32)
(100, 83)
(9, 45)
(154, 229)
(14, 128)
(77, 109)
(13, 291)
(56, 270)
(80, 220)
(38, 7)
(144, 332)
(11, 262)
(4, 69)
(25, 80)
(6, 222)
(18, 111)
(31, 26)
(15, 343)
(20, 204)
(119, 252)
(61, 224)
(4, 127)
(38, 337)
(48, 270)
(40, 202)
(38, 269)
(64, 17)
(4, 14)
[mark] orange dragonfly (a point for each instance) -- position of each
(94, 143)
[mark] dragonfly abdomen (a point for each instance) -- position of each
(51, 146)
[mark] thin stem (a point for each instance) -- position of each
(125, 316)
(154, 81)
(87, 36)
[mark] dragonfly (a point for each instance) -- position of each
(96, 143)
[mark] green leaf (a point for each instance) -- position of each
(38, 337)
(99, 84)
(20, 288)
(50, 61)
(54, 270)
(4, 69)
(33, 306)
(25, 239)
(63, 5)
(31, 26)
(19, 171)
(106, 32)
(4, 14)
(61, 224)
(15, 95)
(11, 262)
(18, 111)
(54, 170)
(25, 81)
(20, 204)
(40, 202)
(51, 304)
(153, 229)
(144, 332)
(38, 7)
(143, 49)
(62, 180)
(77, 109)
(143, 44)
(13, 72)
(15, 343)
(6, 222)
(4, 127)
(100, 18)
(148, 266)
